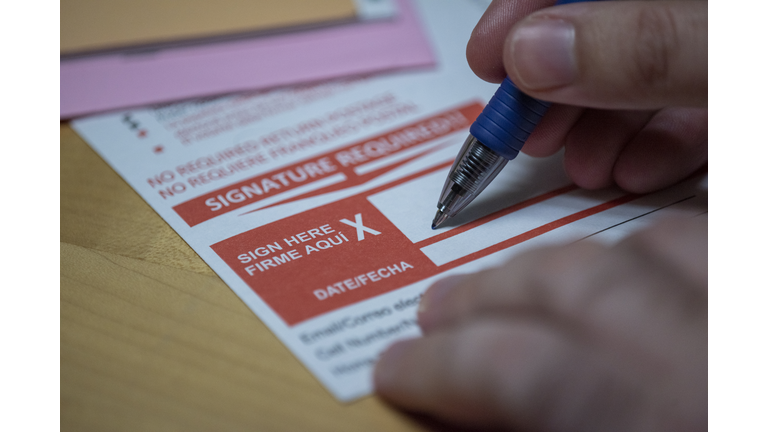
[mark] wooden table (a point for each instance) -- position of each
(153, 340)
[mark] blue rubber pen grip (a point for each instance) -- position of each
(510, 116)
(508, 120)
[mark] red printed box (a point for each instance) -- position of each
(324, 258)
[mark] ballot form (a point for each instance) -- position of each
(314, 203)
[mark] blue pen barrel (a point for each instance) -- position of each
(508, 120)
(496, 137)
(510, 116)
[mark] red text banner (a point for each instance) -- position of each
(340, 161)
(324, 259)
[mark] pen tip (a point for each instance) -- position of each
(440, 217)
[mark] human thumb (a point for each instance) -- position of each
(613, 55)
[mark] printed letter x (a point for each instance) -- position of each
(358, 224)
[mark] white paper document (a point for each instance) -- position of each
(314, 204)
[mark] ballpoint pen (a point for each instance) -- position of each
(496, 137)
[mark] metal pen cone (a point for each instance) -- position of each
(440, 217)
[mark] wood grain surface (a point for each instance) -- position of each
(153, 340)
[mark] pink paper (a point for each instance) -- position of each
(109, 82)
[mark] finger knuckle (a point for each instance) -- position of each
(654, 240)
(558, 286)
(640, 244)
(656, 45)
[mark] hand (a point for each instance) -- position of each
(577, 338)
(628, 78)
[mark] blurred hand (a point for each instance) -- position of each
(577, 338)
(582, 337)
(628, 78)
